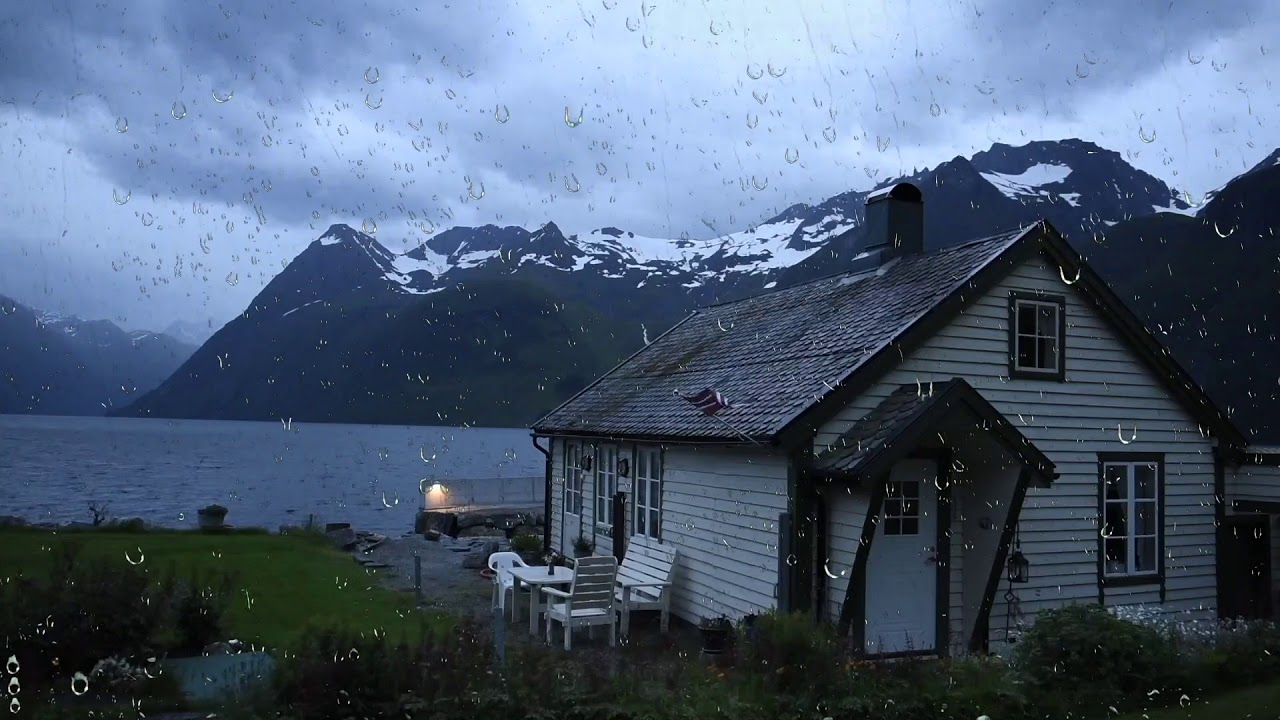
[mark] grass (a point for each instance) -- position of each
(283, 582)
(1256, 703)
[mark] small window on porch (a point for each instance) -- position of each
(902, 507)
(648, 493)
(606, 483)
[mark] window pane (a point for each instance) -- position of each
(1117, 550)
(893, 507)
(1116, 520)
(1047, 321)
(911, 489)
(1047, 353)
(1116, 479)
(892, 526)
(653, 523)
(1026, 351)
(1026, 319)
(641, 492)
(1144, 555)
(1144, 477)
(911, 508)
(1145, 518)
(910, 526)
(640, 517)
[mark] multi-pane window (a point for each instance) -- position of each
(1130, 518)
(573, 478)
(902, 507)
(606, 482)
(1036, 324)
(647, 491)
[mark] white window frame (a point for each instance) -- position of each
(902, 507)
(606, 483)
(646, 516)
(1130, 502)
(1058, 307)
(573, 478)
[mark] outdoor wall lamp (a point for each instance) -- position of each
(1019, 568)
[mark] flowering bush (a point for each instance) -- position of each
(1218, 653)
(115, 676)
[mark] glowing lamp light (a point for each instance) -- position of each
(435, 495)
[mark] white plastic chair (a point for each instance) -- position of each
(504, 582)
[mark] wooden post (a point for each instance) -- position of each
(619, 525)
(417, 579)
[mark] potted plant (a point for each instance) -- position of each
(717, 633)
(528, 547)
(211, 516)
(583, 547)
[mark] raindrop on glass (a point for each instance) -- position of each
(568, 117)
(571, 183)
(121, 200)
(122, 124)
(647, 41)
(232, 280)
(372, 75)
(15, 705)
(1193, 59)
(754, 71)
(148, 219)
(79, 684)
(1142, 134)
(501, 113)
(829, 134)
(15, 685)
(752, 120)
(221, 96)
(716, 28)
(777, 71)
(372, 103)
(759, 184)
(601, 169)
(11, 665)
(1062, 273)
(315, 171)
(179, 110)
(882, 143)
(130, 558)
(1132, 436)
(369, 226)
(633, 24)
(475, 193)
(791, 155)
(450, 94)
(935, 109)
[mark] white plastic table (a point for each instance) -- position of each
(536, 577)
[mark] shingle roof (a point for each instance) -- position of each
(895, 426)
(773, 355)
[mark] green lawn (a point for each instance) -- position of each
(282, 582)
(1256, 703)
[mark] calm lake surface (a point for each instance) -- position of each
(266, 474)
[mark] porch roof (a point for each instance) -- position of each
(901, 421)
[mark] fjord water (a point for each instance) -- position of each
(266, 474)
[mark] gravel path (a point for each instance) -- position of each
(445, 583)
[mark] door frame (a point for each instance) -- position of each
(854, 614)
(1263, 521)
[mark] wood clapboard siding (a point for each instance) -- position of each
(720, 509)
(1107, 388)
(846, 513)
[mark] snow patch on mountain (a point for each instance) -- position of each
(1029, 181)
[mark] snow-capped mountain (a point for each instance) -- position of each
(637, 285)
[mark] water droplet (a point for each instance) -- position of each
(760, 97)
(15, 685)
(1082, 72)
(829, 134)
(647, 41)
(759, 184)
(791, 155)
(15, 705)
(1123, 440)
(1062, 273)
(609, 4)
(935, 109)
(11, 665)
(601, 169)
(115, 195)
(882, 143)
(1194, 60)
(372, 75)
(182, 516)
(221, 96)
(571, 183)
(131, 561)
(1184, 701)
(419, 144)
(1222, 234)
(777, 71)
(754, 71)
(179, 110)
(752, 121)
(267, 141)
(792, 560)
(568, 117)
(371, 102)
(391, 503)
(473, 193)
(204, 242)
(79, 684)
(122, 124)
(232, 280)
(315, 171)
(369, 226)
(1142, 134)
(501, 113)
(716, 28)
(633, 24)
(231, 226)
(148, 219)
(479, 136)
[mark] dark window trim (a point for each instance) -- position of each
(1153, 578)
(1017, 373)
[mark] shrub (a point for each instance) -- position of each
(1096, 657)
(791, 655)
(525, 543)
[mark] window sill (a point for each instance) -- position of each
(1132, 580)
(1028, 374)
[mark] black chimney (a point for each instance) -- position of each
(894, 226)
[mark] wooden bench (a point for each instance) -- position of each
(644, 579)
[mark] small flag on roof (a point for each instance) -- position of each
(709, 401)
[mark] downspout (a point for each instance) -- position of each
(546, 493)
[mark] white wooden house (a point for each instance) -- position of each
(897, 432)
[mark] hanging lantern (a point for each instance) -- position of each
(1019, 568)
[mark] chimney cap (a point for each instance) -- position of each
(905, 192)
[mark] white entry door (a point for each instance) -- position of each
(571, 497)
(901, 588)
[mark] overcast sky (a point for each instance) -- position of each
(162, 159)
